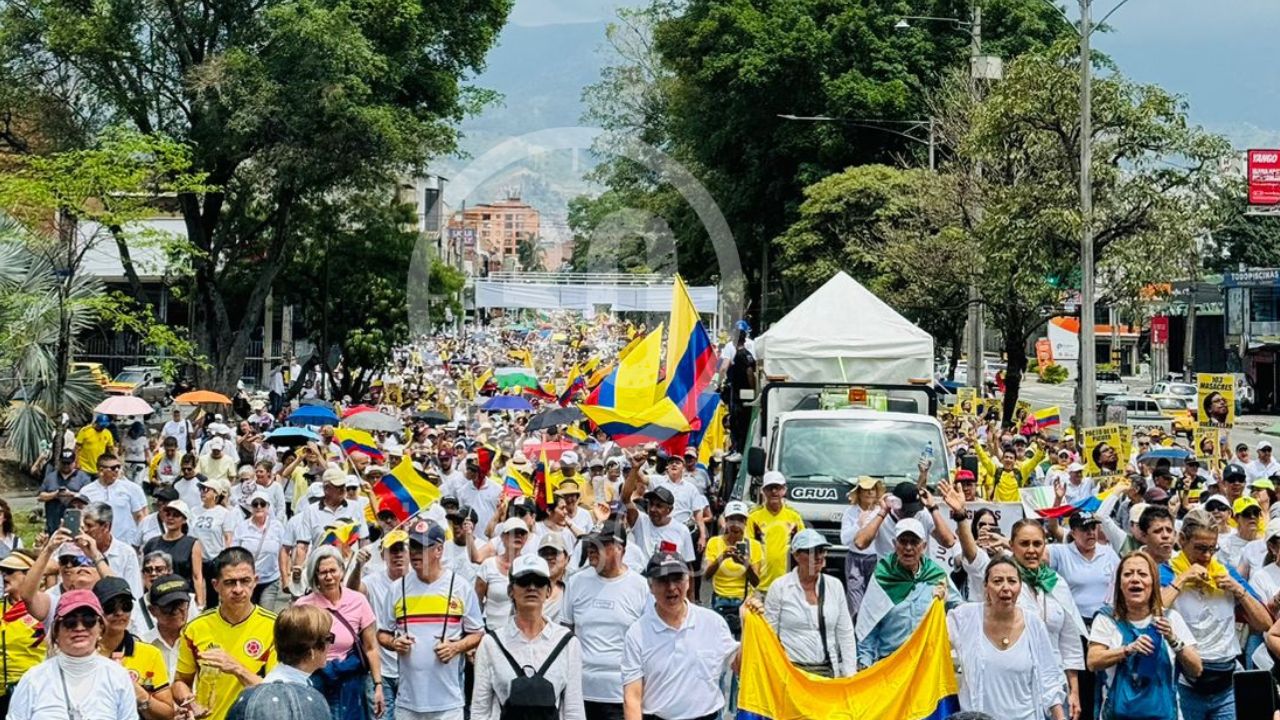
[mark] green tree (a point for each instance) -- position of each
(283, 102)
(718, 74)
(529, 255)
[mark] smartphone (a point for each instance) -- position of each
(744, 549)
(1254, 689)
(71, 521)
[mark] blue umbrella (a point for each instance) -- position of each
(507, 402)
(313, 415)
(291, 436)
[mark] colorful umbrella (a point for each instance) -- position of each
(197, 397)
(357, 409)
(552, 449)
(124, 405)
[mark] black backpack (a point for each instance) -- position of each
(532, 696)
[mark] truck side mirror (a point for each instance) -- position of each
(755, 461)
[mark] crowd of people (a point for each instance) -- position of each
(229, 573)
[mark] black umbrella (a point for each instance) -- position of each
(552, 418)
(430, 417)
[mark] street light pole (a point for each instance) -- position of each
(1088, 348)
(974, 371)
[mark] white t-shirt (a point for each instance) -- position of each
(646, 538)
(853, 520)
(458, 558)
(377, 586)
(1104, 632)
(177, 429)
(104, 693)
(600, 611)
(1252, 557)
(125, 499)
(1003, 682)
(1091, 581)
(188, 490)
(265, 545)
(426, 684)
(1211, 617)
(497, 604)
(209, 525)
(689, 499)
(1230, 548)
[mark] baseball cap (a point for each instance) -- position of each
(426, 534)
(17, 561)
(180, 507)
(1245, 503)
(353, 481)
(110, 588)
(1192, 460)
(523, 504)
(168, 589)
(165, 493)
(376, 469)
(512, 525)
(736, 508)
(67, 455)
(74, 600)
(612, 531)
(661, 494)
(334, 476)
(1075, 467)
(1263, 484)
(1273, 530)
(961, 476)
(553, 540)
(665, 564)
(1264, 445)
(393, 538)
(1217, 499)
(691, 451)
(909, 526)
(1083, 520)
(530, 565)
(218, 485)
(1156, 495)
(1233, 470)
(909, 495)
(1135, 511)
(260, 495)
(808, 539)
(568, 457)
(773, 477)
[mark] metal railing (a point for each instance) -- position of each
(584, 278)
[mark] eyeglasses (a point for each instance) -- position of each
(1206, 549)
(174, 609)
(79, 620)
(155, 570)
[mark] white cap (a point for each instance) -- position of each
(215, 443)
(1273, 530)
(909, 525)
(179, 507)
(1075, 467)
(1264, 445)
(1204, 502)
(736, 508)
(773, 477)
(512, 524)
(530, 565)
(353, 481)
(568, 457)
(1135, 512)
(259, 495)
(553, 540)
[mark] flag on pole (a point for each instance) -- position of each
(405, 491)
(1048, 417)
(352, 440)
(515, 484)
(691, 358)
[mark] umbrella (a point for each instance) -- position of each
(196, 397)
(313, 415)
(507, 402)
(430, 417)
(552, 418)
(373, 422)
(291, 437)
(553, 449)
(357, 409)
(123, 405)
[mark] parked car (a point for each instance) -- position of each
(1180, 410)
(1171, 387)
(1141, 411)
(95, 370)
(144, 381)
(1110, 383)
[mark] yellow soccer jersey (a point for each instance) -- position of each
(251, 642)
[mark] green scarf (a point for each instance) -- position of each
(1043, 578)
(897, 581)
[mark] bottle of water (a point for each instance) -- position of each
(207, 684)
(926, 455)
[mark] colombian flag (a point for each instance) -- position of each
(691, 358)
(515, 484)
(657, 423)
(916, 682)
(345, 534)
(1048, 417)
(353, 440)
(405, 491)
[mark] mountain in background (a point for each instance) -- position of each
(1216, 55)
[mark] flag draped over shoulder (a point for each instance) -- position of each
(916, 682)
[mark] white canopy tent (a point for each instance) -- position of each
(844, 333)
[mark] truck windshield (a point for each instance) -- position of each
(130, 377)
(845, 448)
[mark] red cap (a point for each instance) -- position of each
(964, 475)
(69, 602)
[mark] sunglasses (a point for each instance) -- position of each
(155, 570)
(120, 605)
(77, 621)
(533, 581)
(174, 609)
(549, 554)
(258, 504)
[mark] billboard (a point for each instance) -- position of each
(1264, 177)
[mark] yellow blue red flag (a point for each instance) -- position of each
(691, 358)
(405, 491)
(917, 682)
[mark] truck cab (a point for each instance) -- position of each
(822, 445)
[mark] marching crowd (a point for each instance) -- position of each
(217, 580)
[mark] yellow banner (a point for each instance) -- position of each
(1106, 449)
(1216, 400)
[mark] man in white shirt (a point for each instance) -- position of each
(654, 530)
(377, 585)
(1265, 465)
(127, 501)
(599, 605)
(178, 429)
(660, 676)
(477, 492)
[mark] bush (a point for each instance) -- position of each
(1054, 375)
(1033, 365)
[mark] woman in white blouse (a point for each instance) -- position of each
(859, 563)
(1006, 660)
(528, 640)
(807, 610)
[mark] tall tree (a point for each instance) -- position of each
(283, 102)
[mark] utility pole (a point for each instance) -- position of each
(1088, 348)
(976, 367)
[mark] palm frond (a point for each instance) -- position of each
(28, 431)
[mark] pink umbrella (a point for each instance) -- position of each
(124, 405)
(356, 409)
